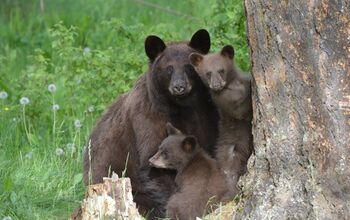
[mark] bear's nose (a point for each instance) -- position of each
(150, 161)
(179, 90)
(217, 86)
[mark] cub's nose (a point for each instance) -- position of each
(217, 86)
(150, 162)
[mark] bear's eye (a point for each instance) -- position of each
(169, 70)
(208, 74)
(165, 154)
(221, 72)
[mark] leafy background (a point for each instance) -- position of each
(92, 51)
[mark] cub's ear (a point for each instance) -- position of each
(228, 51)
(189, 143)
(201, 41)
(153, 47)
(170, 129)
(195, 59)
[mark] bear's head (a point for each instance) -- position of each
(175, 151)
(213, 69)
(171, 74)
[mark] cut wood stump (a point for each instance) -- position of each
(111, 199)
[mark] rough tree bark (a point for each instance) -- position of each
(111, 199)
(300, 53)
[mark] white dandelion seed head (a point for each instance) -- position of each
(78, 81)
(91, 109)
(87, 50)
(77, 123)
(24, 101)
(3, 95)
(51, 88)
(29, 155)
(14, 119)
(59, 151)
(70, 147)
(55, 107)
(7, 218)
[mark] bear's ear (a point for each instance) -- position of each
(201, 41)
(153, 47)
(228, 51)
(195, 59)
(171, 130)
(189, 143)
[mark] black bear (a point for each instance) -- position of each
(200, 184)
(231, 92)
(130, 131)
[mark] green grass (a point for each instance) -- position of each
(40, 47)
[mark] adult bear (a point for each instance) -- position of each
(133, 127)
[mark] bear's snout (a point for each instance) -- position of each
(179, 85)
(179, 90)
(151, 162)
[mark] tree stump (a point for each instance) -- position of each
(300, 52)
(111, 199)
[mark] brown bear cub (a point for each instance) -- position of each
(200, 183)
(231, 92)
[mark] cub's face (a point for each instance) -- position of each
(175, 151)
(213, 68)
(172, 73)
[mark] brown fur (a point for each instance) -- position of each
(231, 92)
(134, 125)
(200, 184)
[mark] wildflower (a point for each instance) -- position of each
(7, 109)
(51, 88)
(70, 147)
(29, 155)
(55, 107)
(14, 119)
(7, 218)
(77, 123)
(87, 50)
(59, 151)
(24, 101)
(3, 95)
(91, 109)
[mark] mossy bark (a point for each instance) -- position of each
(300, 52)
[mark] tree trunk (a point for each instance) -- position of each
(300, 53)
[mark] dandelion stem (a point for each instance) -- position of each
(25, 124)
(78, 138)
(54, 121)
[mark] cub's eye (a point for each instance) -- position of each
(221, 71)
(165, 154)
(169, 70)
(208, 74)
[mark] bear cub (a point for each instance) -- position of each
(200, 184)
(231, 92)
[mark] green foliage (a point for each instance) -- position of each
(92, 52)
(227, 26)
